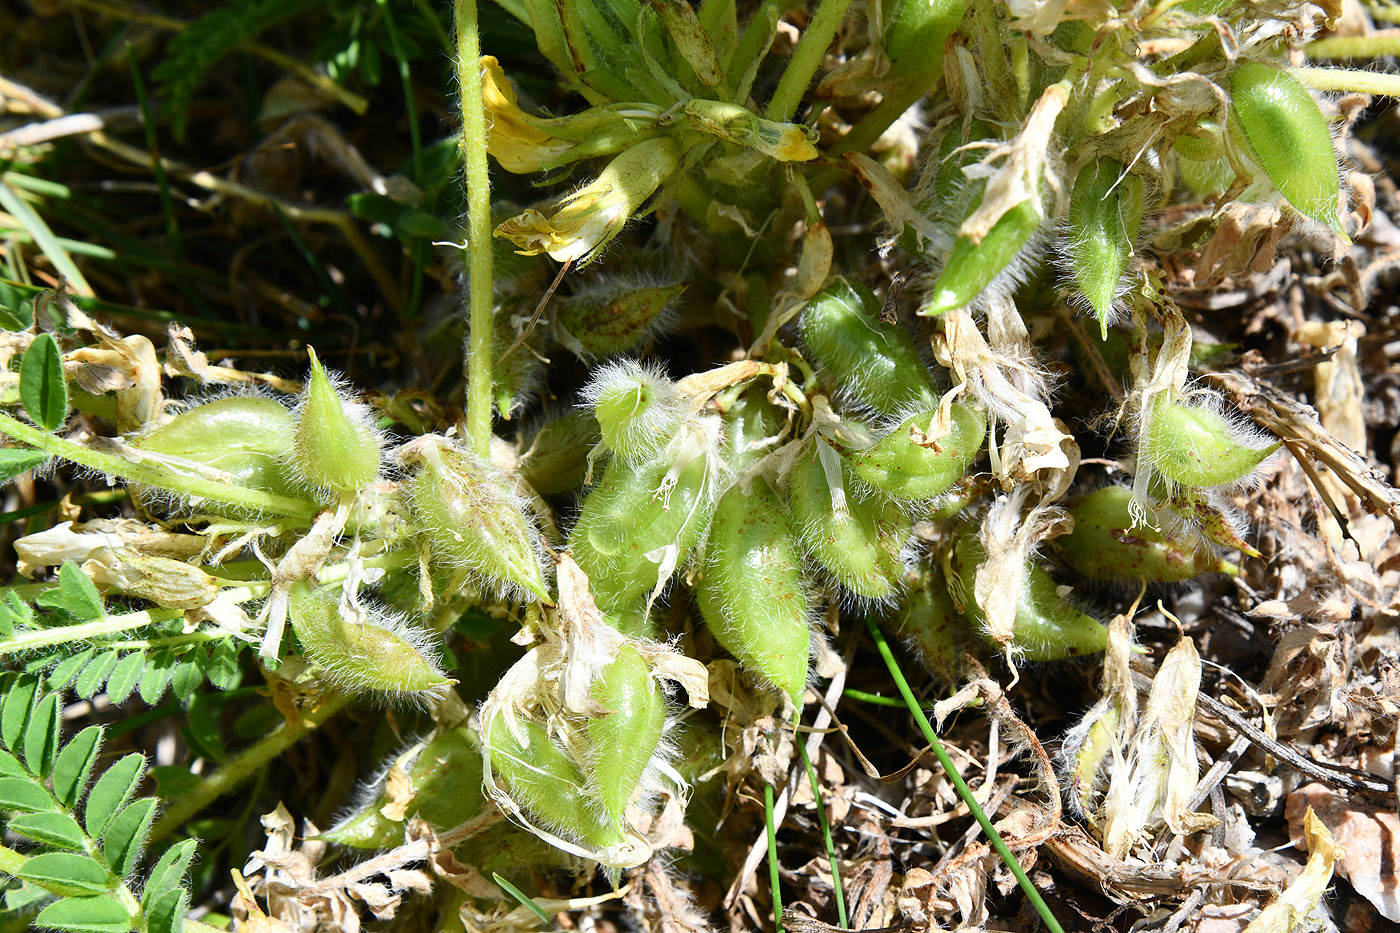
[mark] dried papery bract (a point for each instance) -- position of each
(470, 517)
(637, 409)
(378, 654)
(335, 442)
(751, 594)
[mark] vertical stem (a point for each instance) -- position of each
(473, 143)
(806, 59)
(773, 877)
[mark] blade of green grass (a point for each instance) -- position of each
(772, 857)
(826, 834)
(148, 121)
(516, 893)
(964, 791)
(48, 244)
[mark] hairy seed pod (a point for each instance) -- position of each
(971, 267)
(859, 541)
(545, 783)
(1048, 627)
(1197, 446)
(915, 31)
(751, 595)
(614, 318)
(1105, 215)
(1281, 128)
(904, 468)
(1105, 544)
(556, 462)
(929, 622)
(750, 424)
(637, 408)
(443, 788)
(470, 517)
(630, 517)
(367, 656)
(246, 438)
(625, 739)
(873, 363)
(335, 443)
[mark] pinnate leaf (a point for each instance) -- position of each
(55, 829)
(17, 460)
(73, 766)
(92, 678)
(81, 599)
(41, 736)
(67, 873)
(125, 676)
(126, 837)
(42, 389)
(63, 673)
(18, 704)
(22, 794)
(169, 872)
(111, 792)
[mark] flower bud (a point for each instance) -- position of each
(751, 595)
(470, 517)
(1278, 124)
(380, 655)
(873, 363)
(859, 541)
(1107, 545)
(1105, 214)
(637, 408)
(335, 443)
(907, 465)
(624, 739)
(1197, 446)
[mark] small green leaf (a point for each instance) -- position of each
(21, 793)
(125, 676)
(73, 766)
(167, 914)
(15, 613)
(41, 736)
(125, 839)
(111, 792)
(18, 704)
(17, 460)
(224, 670)
(189, 674)
(42, 389)
(67, 874)
(62, 675)
(155, 678)
(10, 766)
(54, 829)
(85, 915)
(92, 678)
(173, 781)
(81, 599)
(169, 872)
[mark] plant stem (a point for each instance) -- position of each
(45, 637)
(773, 877)
(254, 500)
(1344, 79)
(806, 59)
(1349, 47)
(963, 790)
(473, 143)
(826, 834)
(245, 765)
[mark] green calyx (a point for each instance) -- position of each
(1105, 214)
(1283, 131)
(335, 444)
(908, 465)
(751, 595)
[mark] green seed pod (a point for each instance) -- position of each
(383, 656)
(556, 462)
(1105, 214)
(927, 619)
(1196, 446)
(749, 424)
(626, 738)
(751, 595)
(971, 267)
(544, 782)
(1106, 546)
(246, 438)
(859, 541)
(915, 32)
(902, 468)
(444, 781)
(873, 363)
(335, 443)
(638, 409)
(614, 318)
(1048, 628)
(630, 515)
(470, 517)
(1278, 124)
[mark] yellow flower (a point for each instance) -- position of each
(587, 220)
(517, 144)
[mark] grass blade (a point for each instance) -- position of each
(48, 243)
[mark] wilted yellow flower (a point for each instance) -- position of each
(511, 138)
(785, 142)
(585, 221)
